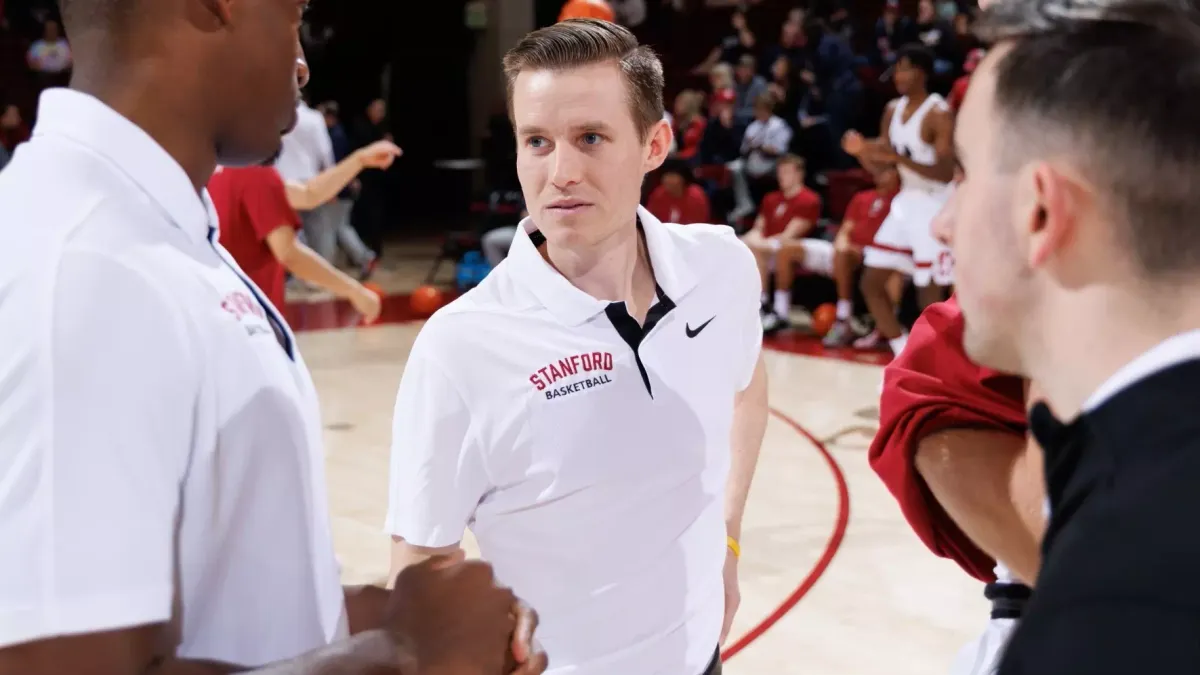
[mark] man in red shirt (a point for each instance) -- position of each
(864, 215)
(678, 199)
(784, 218)
(952, 448)
(257, 213)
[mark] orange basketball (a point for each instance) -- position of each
(426, 300)
(823, 318)
(587, 9)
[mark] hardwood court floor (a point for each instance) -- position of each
(819, 525)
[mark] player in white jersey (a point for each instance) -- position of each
(917, 137)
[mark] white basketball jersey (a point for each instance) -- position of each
(906, 139)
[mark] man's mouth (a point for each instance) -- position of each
(567, 205)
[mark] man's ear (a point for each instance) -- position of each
(658, 146)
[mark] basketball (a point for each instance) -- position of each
(426, 300)
(587, 9)
(823, 318)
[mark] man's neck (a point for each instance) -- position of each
(173, 123)
(791, 191)
(1090, 336)
(615, 269)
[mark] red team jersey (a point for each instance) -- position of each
(691, 207)
(930, 387)
(777, 211)
(251, 203)
(867, 210)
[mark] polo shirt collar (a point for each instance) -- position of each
(574, 307)
(84, 120)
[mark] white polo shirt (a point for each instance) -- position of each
(307, 149)
(160, 445)
(589, 461)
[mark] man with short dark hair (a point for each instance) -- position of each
(1079, 268)
(593, 410)
(916, 138)
(163, 507)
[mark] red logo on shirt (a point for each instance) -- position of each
(240, 305)
(571, 365)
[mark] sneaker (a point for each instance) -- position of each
(841, 335)
(773, 323)
(872, 340)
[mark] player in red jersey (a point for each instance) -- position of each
(865, 213)
(257, 212)
(952, 448)
(784, 218)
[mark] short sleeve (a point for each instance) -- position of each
(97, 424)
(811, 210)
(857, 209)
(266, 203)
(437, 471)
(748, 304)
(932, 386)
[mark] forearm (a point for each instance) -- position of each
(371, 653)
(324, 186)
(306, 264)
(749, 427)
(987, 485)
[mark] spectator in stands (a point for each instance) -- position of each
(964, 35)
(790, 47)
(864, 215)
(938, 35)
(787, 216)
(722, 140)
(733, 47)
(688, 123)
(50, 56)
(720, 79)
(785, 86)
(13, 130)
(892, 31)
(959, 91)
(748, 86)
(766, 140)
(836, 78)
(677, 198)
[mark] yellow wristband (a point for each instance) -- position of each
(733, 546)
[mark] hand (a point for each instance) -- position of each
(368, 303)
(733, 594)
(525, 649)
(452, 617)
(378, 155)
(853, 143)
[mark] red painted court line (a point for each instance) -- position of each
(831, 546)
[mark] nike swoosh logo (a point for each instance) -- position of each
(693, 332)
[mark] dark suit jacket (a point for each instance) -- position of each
(1118, 593)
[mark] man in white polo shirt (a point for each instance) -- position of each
(162, 488)
(593, 411)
